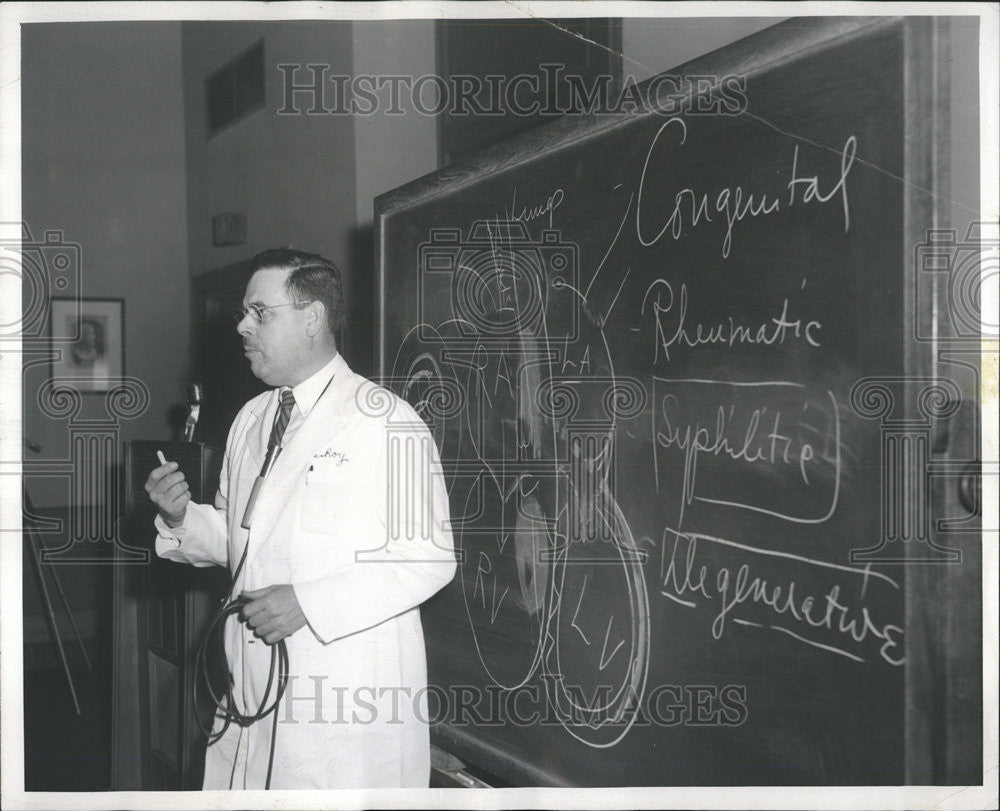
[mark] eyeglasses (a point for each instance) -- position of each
(256, 311)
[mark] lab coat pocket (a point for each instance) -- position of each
(322, 494)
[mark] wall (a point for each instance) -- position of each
(305, 180)
(392, 150)
(103, 162)
(652, 46)
(293, 175)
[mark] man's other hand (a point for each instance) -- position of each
(168, 490)
(273, 612)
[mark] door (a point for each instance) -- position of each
(219, 363)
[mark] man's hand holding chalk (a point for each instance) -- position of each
(168, 490)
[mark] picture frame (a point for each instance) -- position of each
(88, 340)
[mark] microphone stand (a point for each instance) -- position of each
(194, 402)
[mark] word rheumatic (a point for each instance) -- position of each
(692, 208)
(727, 332)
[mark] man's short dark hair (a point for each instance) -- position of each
(312, 278)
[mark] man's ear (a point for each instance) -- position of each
(315, 318)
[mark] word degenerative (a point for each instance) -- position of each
(736, 590)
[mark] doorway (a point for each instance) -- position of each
(219, 363)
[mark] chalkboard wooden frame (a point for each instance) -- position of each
(943, 692)
(943, 705)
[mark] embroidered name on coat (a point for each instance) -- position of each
(329, 453)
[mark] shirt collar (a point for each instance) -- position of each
(308, 392)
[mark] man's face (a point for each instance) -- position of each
(278, 347)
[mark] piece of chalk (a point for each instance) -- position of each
(161, 457)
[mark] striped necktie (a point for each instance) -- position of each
(273, 449)
(281, 420)
(278, 431)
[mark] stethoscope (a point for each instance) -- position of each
(225, 704)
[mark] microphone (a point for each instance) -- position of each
(194, 394)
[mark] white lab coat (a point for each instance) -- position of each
(363, 536)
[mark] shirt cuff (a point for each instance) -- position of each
(309, 601)
(169, 538)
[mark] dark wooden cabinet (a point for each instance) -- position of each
(161, 611)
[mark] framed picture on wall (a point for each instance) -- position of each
(88, 337)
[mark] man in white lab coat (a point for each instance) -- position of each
(347, 535)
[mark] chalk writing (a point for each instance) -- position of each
(731, 589)
(527, 213)
(728, 332)
(732, 203)
(737, 431)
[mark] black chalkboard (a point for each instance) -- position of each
(653, 345)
